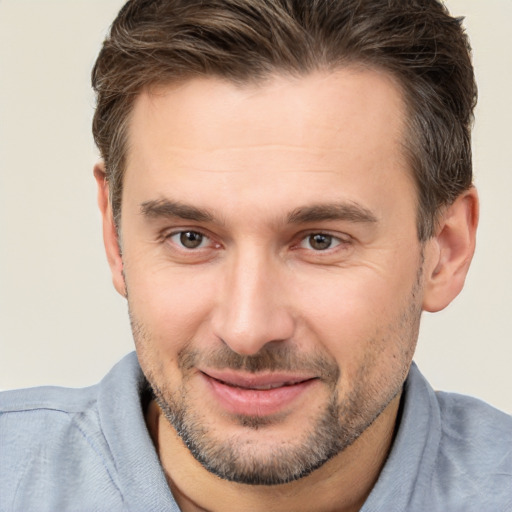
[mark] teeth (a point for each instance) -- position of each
(262, 388)
(269, 386)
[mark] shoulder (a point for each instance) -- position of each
(475, 451)
(80, 449)
(51, 439)
(45, 415)
(46, 398)
(483, 431)
(451, 453)
(463, 415)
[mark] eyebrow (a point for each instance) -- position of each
(174, 209)
(351, 212)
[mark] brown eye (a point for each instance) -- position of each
(190, 239)
(320, 241)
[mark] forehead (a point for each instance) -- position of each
(324, 129)
(346, 98)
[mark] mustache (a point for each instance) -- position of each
(269, 358)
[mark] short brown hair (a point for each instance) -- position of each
(158, 41)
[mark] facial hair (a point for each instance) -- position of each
(240, 458)
(344, 416)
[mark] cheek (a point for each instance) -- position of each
(360, 316)
(168, 311)
(351, 299)
(172, 306)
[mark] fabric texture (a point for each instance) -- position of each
(89, 450)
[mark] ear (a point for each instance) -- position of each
(450, 252)
(110, 234)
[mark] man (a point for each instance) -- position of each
(285, 186)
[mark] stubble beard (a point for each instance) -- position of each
(244, 458)
(241, 458)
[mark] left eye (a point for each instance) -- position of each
(190, 239)
(320, 242)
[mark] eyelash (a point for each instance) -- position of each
(338, 241)
(183, 232)
(332, 240)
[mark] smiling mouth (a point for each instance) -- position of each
(256, 395)
(256, 382)
(263, 387)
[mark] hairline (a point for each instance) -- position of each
(409, 144)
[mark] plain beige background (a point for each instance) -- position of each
(61, 321)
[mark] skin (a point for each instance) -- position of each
(257, 170)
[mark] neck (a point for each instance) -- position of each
(342, 484)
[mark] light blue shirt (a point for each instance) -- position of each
(89, 450)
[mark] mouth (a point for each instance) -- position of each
(262, 387)
(255, 394)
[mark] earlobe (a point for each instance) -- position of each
(450, 251)
(110, 234)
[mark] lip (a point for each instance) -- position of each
(256, 394)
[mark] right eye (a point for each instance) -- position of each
(320, 242)
(189, 240)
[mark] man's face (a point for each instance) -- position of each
(272, 264)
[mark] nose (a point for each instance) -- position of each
(253, 308)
